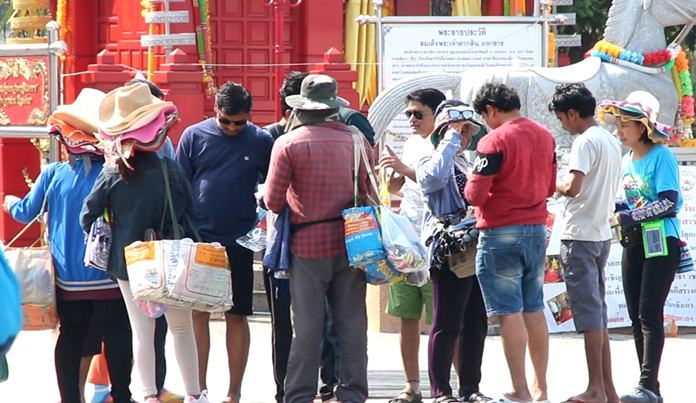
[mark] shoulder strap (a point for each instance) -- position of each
(168, 199)
(359, 152)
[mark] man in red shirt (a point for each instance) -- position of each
(514, 173)
(311, 171)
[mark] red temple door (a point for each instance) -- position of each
(243, 37)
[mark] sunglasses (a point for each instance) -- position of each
(227, 122)
(416, 114)
(459, 114)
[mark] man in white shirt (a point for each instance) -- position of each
(407, 301)
(594, 170)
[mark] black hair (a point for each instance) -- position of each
(427, 96)
(497, 95)
(232, 98)
(573, 96)
(155, 91)
(291, 86)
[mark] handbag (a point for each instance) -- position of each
(33, 267)
(98, 245)
(453, 246)
(180, 272)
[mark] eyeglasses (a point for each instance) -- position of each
(416, 114)
(227, 122)
(460, 114)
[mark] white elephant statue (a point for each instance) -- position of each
(636, 25)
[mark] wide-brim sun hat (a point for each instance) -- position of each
(83, 113)
(640, 106)
(143, 133)
(125, 107)
(318, 92)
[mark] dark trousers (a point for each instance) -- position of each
(160, 358)
(111, 319)
(330, 352)
(281, 329)
(459, 316)
(646, 285)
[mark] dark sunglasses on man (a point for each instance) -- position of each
(416, 114)
(226, 122)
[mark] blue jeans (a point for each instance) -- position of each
(510, 268)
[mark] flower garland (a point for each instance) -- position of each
(204, 42)
(208, 70)
(662, 58)
(62, 17)
(149, 6)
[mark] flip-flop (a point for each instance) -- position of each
(574, 400)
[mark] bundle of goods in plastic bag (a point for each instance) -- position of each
(181, 273)
(401, 242)
(33, 267)
(255, 239)
(363, 238)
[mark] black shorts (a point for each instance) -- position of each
(242, 266)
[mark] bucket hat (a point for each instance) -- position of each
(124, 108)
(83, 114)
(640, 106)
(317, 92)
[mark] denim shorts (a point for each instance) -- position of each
(510, 268)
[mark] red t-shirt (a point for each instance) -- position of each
(514, 173)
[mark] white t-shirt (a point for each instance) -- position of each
(597, 154)
(412, 205)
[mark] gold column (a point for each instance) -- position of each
(28, 23)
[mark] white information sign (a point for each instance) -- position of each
(681, 302)
(411, 49)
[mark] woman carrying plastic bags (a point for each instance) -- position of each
(459, 311)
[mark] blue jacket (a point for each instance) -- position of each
(435, 175)
(65, 186)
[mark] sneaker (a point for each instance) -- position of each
(639, 394)
(326, 392)
(191, 399)
(477, 397)
(167, 396)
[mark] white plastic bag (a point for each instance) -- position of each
(401, 242)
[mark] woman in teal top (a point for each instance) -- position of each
(650, 229)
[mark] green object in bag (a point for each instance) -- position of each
(654, 238)
(4, 369)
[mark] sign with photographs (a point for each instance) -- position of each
(681, 303)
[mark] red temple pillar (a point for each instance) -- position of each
(334, 65)
(182, 83)
(106, 74)
(323, 21)
(17, 157)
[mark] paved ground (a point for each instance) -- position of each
(32, 377)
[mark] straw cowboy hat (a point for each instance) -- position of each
(640, 106)
(128, 108)
(83, 114)
(318, 92)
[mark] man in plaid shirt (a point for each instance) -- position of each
(311, 171)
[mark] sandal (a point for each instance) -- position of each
(445, 399)
(408, 395)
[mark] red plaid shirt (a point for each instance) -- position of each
(311, 170)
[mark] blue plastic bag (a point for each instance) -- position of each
(277, 256)
(10, 306)
(363, 238)
(379, 273)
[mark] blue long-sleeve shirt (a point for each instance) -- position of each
(65, 187)
(224, 172)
